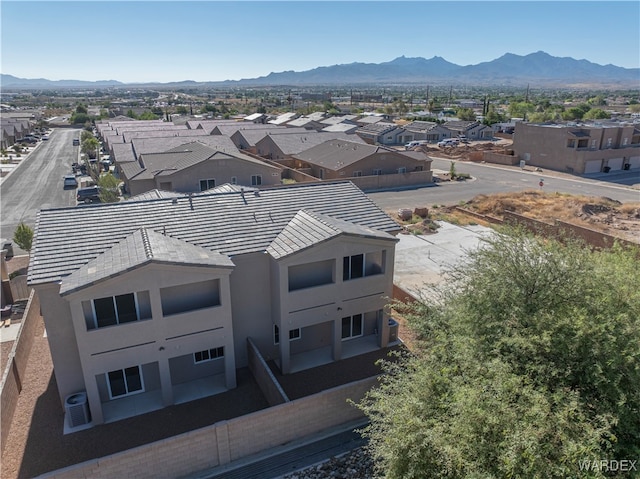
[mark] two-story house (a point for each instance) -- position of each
(150, 303)
(579, 149)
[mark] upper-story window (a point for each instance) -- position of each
(359, 265)
(377, 172)
(207, 184)
(256, 180)
(571, 143)
(402, 169)
(114, 310)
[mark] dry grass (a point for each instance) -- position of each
(598, 213)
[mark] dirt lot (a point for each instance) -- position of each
(601, 214)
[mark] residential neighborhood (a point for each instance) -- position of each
(246, 250)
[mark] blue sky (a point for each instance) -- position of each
(213, 40)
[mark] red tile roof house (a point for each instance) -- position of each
(151, 303)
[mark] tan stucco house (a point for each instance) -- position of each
(194, 167)
(579, 148)
(150, 303)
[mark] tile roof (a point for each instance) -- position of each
(233, 223)
(140, 248)
(298, 142)
(308, 228)
(336, 154)
(179, 158)
(158, 145)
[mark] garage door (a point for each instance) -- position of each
(592, 166)
(615, 164)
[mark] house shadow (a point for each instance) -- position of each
(48, 449)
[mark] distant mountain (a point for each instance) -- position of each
(9, 81)
(540, 69)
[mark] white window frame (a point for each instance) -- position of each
(212, 353)
(377, 172)
(128, 393)
(357, 173)
(402, 169)
(256, 180)
(234, 180)
(276, 334)
(208, 181)
(351, 322)
(115, 307)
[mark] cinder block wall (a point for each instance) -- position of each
(16, 364)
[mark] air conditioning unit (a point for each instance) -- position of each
(77, 409)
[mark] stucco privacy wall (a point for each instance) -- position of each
(17, 363)
(228, 441)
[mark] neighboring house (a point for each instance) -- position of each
(424, 131)
(256, 118)
(381, 133)
(194, 167)
(283, 119)
(151, 303)
(143, 146)
(306, 123)
(473, 130)
(339, 159)
(283, 147)
(344, 127)
(579, 149)
(246, 139)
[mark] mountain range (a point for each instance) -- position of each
(539, 69)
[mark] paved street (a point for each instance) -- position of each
(36, 182)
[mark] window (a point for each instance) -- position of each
(115, 310)
(352, 267)
(208, 355)
(124, 382)
(321, 174)
(294, 334)
(357, 173)
(256, 180)
(377, 172)
(402, 169)
(352, 326)
(234, 180)
(207, 184)
(571, 143)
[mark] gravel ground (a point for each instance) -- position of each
(356, 464)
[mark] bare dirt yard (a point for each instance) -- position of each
(597, 213)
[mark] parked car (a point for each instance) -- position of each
(28, 139)
(448, 142)
(90, 194)
(76, 142)
(70, 181)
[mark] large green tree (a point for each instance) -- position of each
(528, 365)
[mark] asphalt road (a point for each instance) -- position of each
(36, 183)
(487, 179)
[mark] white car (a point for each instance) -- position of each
(448, 142)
